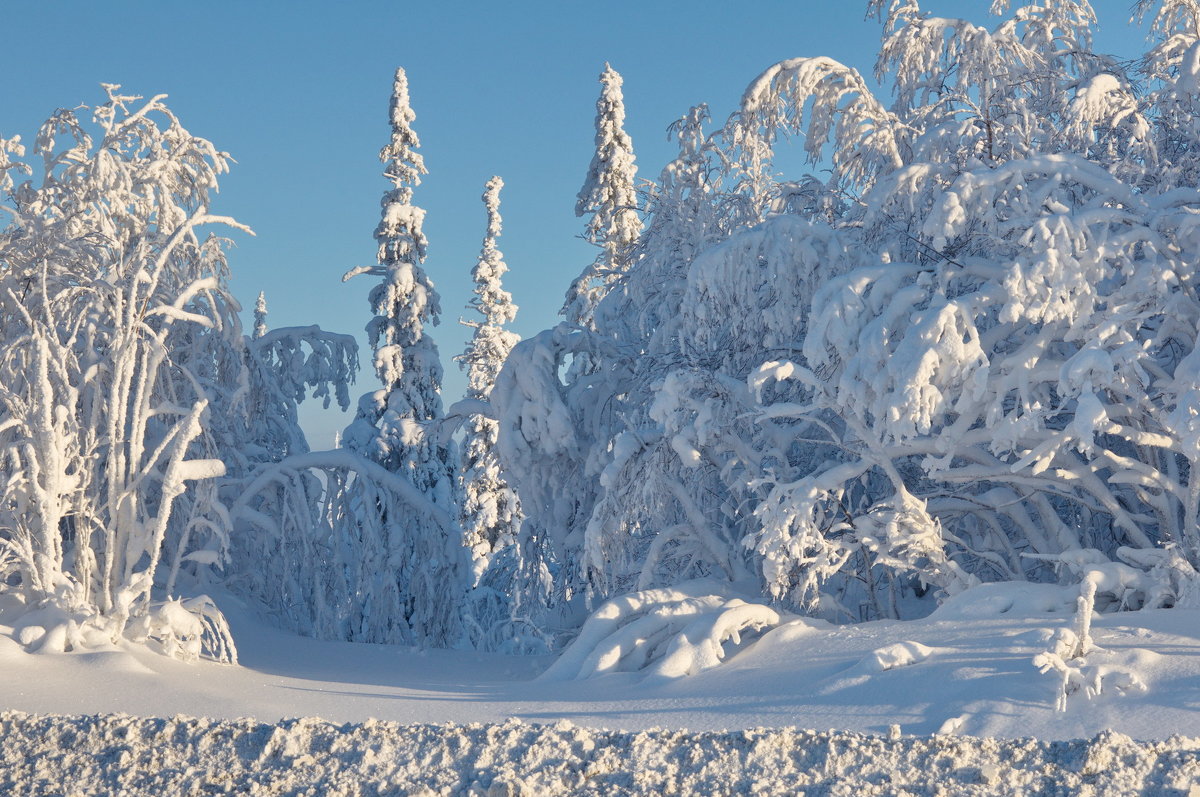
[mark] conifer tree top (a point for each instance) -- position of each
(492, 302)
(404, 165)
(491, 343)
(611, 174)
(608, 195)
(260, 315)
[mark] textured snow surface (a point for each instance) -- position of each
(968, 669)
(896, 707)
(119, 754)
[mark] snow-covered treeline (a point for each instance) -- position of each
(964, 352)
(149, 446)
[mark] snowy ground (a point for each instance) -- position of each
(965, 671)
(123, 755)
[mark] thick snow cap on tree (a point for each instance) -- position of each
(390, 425)
(488, 510)
(607, 194)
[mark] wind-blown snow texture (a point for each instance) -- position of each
(889, 703)
(121, 754)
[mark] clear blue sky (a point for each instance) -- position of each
(298, 91)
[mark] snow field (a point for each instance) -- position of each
(119, 754)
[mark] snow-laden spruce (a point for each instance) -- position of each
(361, 543)
(488, 508)
(392, 423)
(608, 195)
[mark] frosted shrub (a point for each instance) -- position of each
(117, 332)
(1017, 359)
(966, 348)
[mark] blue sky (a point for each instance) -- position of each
(298, 91)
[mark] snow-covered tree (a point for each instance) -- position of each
(260, 315)
(361, 542)
(349, 550)
(558, 435)
(392, 424)
(596, 476)
(609, 196)
(962, 355)
(653, 521)
(286, 366)
(685, 216)
(489, 511)
(134, 410)
(121, 349)
(1003, 385)
(553, 444)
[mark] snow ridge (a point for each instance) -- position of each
(119, 754)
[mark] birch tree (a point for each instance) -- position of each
(119, 335)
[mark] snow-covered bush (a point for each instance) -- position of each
(1011, 375)
(662, 633)
(118, 334)
(1069, 650)
(966, 351)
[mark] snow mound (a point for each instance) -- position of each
(664, 633)
(118, 754)
(1015, 598)
(889, 657)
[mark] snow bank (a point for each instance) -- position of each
(118, 754)
(667, 633)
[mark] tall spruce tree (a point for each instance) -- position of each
(489, 512)
(392, 426)
(260, 315)
(608, 195)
